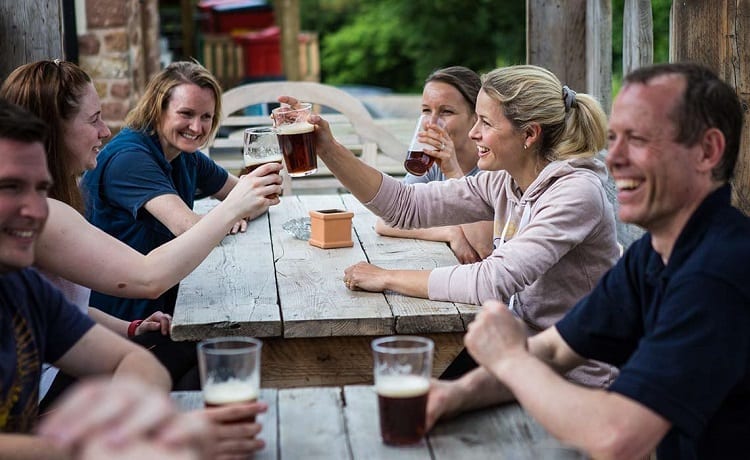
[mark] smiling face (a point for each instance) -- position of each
(186, 122)
(83, 133)
(500, 144)
(444, 101)
(24, 181)
(659, 182)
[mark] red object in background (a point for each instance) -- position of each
(227, 16)
(262, 52)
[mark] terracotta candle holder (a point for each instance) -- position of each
(331, 228)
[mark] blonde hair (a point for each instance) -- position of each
(155, 100)
(530, 94)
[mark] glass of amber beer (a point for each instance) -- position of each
(229, 370)
(260, 147)
(402, 369)
(296, 138)
(417, 162)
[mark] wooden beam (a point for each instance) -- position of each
(187, 10)
(30, 30)
(637, 35)
(287, 17)
(717, 34)
(599, 51)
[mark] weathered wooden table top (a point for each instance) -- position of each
(342, 423)
(266, 283)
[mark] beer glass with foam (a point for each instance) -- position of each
(417, 162)
(296, 138)
(260, 147)
(402, 369)
(229, 370)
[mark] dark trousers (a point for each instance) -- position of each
(462, 364)
(180, 359)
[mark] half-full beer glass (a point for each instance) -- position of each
(260, 147)
(417, 162)
(296, 138)
(402, 369)
(229, 370)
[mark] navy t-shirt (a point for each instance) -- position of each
(131, 170)
(680, 333)
(37, 325)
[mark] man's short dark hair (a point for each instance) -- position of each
(19, 124)
(708, 102)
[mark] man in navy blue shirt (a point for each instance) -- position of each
(673, 314)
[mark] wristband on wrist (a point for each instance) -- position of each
(133, 326)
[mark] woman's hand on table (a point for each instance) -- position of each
(158, 321)
(366, 277)
(462, 247)
(234, 429)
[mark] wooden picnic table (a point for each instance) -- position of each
(268, 284)
(342, 423)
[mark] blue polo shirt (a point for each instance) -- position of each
(131, 170)
(680, 333)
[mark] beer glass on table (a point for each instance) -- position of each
(402, 369)
(417, 162)
(229, 370)
(296, 138)
(260, 147)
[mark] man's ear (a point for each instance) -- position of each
(712, 149)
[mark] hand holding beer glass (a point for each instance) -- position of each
(296, 138)
(402, 370)
(229, 370)
(417, 162)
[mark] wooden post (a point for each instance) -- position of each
(717, 34)
(599, 51)
(30, 30)
(187, 12)
(287, 17)
(637, 35)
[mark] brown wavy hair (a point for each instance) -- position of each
(52, 90)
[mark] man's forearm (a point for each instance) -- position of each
(479, 388)
(142, 365)
(27, 447)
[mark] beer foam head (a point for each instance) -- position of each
(296, 128)
(401, 386)
(229, 391)
(250, 161)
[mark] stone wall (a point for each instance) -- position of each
(119, 50)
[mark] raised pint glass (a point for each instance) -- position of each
(296, 139)
(417, 162)
(402, 369)
(260, 147)
(229, 370)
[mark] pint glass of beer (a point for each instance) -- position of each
(296, 138)
(402, 369)
(417, 162)
(229, 370)
(260, 146)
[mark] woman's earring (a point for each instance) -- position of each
(525, 147)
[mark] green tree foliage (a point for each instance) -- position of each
(397, 43)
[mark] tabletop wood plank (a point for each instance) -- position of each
(363, 427)
(219, 299)
(311, 424)
(413, 315)
(310, 280)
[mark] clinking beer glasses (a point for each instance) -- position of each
(402, 369)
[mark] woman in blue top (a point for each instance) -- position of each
(450, 95)
(147, 177)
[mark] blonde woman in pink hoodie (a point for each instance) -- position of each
(554, 231)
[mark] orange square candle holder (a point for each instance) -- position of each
(331, 228)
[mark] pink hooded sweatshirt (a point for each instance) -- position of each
(552, 243)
